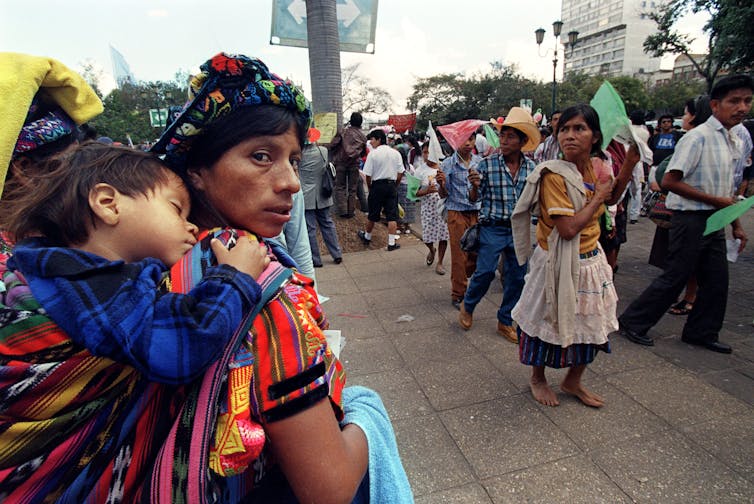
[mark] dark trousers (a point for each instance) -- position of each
(689, 252)
(321, 217)
(346, 182)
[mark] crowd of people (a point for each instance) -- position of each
(161, 329)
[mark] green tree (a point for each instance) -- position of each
(670, 98)
(730, 38)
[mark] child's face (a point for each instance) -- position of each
(157, 226)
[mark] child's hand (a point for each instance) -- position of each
(248, 256)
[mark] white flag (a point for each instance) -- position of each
(435, 151)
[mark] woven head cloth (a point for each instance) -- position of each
(226, 82)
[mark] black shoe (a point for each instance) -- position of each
(347, 216)
(639, 339)
(715, 346)
(457, 303)
(390, 248)
(338, 260)
(317, 265)
(363, 237)
(634, 221)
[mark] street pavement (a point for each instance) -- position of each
(678, 424)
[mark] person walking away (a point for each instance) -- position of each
(347, 148)
(317, 206)
(454, 185)
(383, 169)
(497, 183)
(568, 305)
(700, 180)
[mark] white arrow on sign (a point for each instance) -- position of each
(297, 8)
(347, 12)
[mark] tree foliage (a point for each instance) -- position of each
(359, 95)
(730, 38)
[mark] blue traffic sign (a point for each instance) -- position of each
(357, 20)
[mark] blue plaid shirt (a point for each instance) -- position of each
(457, 183)
(118, 310)
(499, 191)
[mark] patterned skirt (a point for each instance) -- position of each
(596, 300)
(434, 228)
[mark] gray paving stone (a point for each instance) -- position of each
(354, 302)
(376, 282)
(737, 382)
(372, 355)
(573, 480)
(677, 396)
(693, 358)
(505, 435)
(620, 419)
(624, 356)
(355, 324)
(333, 287)
(419, 346)
(468, 494)
(730, 439)
(465, 380)
(401, 296)
(425, 317)
(668, 468)
(401, 394)
(431, 458)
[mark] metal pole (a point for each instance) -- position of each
(554, 83)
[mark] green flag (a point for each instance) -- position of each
(725, 216)
(413, 185)
(613, 119)
(492, 137)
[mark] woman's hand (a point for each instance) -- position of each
(603, 189)
(248, 256)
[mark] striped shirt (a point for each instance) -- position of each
(499, 190)
(457, 183)
(706, 156)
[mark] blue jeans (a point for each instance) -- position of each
(493, 241)
(321, 217)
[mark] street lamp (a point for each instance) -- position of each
(573, 36)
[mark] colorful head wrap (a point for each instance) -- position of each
(226, 82)
(52, 126)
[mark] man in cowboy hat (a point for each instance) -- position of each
(498, 182)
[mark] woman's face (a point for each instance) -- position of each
(576, 138)
(252, 184)
(686, 120)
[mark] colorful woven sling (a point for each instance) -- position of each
(79, 428)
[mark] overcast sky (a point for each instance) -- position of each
(414, 38)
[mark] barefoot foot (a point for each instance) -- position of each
(585, 396)
(542, 393)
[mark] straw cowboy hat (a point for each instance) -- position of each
(521, 120)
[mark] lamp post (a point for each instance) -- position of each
(573, 35)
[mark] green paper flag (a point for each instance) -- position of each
(613, 119)
(492, 138)
(413, 185)
(725, 216)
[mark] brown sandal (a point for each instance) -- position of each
(682, 307)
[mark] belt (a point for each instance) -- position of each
(591, 253)
(499, 223)
(383, 180)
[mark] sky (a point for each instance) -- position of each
(414, 38)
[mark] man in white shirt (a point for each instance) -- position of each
(700, 180)
(383, 169)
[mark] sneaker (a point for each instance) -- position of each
(390, 248)
(364, 239)
(465, 318)
(507, 332)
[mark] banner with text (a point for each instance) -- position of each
(403, 122)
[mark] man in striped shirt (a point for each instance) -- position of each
(700, 180)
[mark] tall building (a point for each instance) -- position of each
(611, 36)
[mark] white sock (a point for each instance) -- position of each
(391, 239)
(367, 235)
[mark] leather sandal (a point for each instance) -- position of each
(682, 307)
